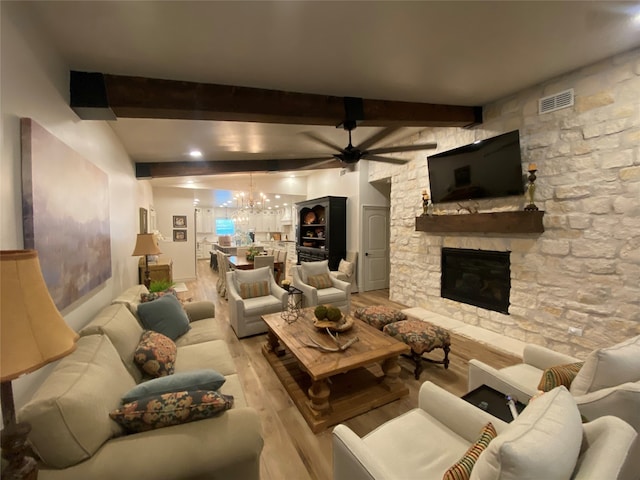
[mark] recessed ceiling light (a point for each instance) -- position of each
(195, 153)
(277, 196)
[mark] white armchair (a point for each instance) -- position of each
(547, 441)
(253, 293)
(319, 287)
(347, 270)
(607, 384)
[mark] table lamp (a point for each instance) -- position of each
(146, 245)
(32, 334)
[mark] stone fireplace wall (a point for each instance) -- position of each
(584, 270)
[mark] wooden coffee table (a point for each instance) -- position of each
(330, 387)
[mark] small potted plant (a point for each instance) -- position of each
(252, 252)
(160, 285)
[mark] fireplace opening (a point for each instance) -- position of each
(477, 277)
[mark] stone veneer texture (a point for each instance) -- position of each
(584, 270)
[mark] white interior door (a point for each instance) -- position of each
(375, 248)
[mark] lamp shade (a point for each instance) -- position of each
(33, 332)
(145, 245)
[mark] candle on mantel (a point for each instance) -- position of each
(533, 167)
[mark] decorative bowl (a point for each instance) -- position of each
(309, 218)
(342, 325)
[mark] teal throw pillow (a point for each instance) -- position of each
(164, 315)
(194, 380)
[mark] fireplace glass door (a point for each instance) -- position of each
(477, 277)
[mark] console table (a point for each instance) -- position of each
(160, 270)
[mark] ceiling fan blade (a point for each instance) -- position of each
(406, 148)
(322, 141)
(377, 137)
(377, 158)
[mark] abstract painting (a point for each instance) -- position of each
(65, 209)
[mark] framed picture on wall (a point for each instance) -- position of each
(180, 221)
(179, 235)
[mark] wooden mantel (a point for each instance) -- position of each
(497, 222)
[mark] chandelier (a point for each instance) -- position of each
(251, 203)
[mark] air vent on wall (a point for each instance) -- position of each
(555, 102)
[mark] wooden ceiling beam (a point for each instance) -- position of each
(104, 96)
(195, 168)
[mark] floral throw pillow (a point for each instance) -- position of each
(461, 470)
(168, 409)
(559, 375)
(155, 354)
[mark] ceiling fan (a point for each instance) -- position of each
(351, 154)
(337, 158)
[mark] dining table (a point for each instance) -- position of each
(242, 263)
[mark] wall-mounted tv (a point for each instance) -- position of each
(488, 168)
(225, 226)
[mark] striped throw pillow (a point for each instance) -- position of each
(461, 470)
(559, 375)
(320, 281)
(254, 289)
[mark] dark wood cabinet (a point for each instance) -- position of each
(322, 230)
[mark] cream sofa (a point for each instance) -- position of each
(547, 441)
(607, 384)
(75, 438)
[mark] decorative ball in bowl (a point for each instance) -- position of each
(328, 316)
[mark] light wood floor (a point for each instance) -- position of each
(291, 450)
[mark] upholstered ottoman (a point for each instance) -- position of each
(422, 337)
(378, 315)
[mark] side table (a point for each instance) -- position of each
(492, 402)
(294, 305)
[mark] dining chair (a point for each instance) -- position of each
(223, 268)
(264, 261)
(242, 251)
(281, 258)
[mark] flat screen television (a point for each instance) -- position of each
(488, 168)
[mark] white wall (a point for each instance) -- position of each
(177, 201)
(35, 84)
